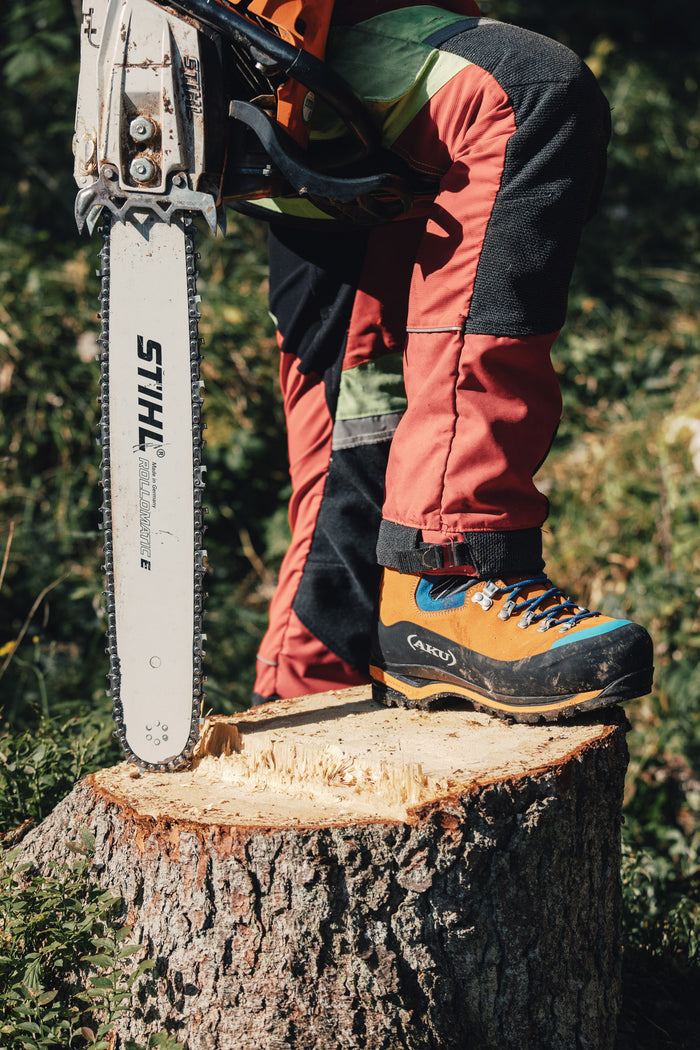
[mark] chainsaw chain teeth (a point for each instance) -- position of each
(199, 569)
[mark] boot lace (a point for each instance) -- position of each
(539, 609)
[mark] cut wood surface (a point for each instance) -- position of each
(333, 874)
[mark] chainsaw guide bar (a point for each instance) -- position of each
(152, 482)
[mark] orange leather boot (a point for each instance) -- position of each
(519, 649)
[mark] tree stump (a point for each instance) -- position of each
(334, 874)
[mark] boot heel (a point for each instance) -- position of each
(384, 694)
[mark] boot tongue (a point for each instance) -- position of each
(444, 586)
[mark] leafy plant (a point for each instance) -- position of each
(660, 913)
(65, 975)
(39, 767)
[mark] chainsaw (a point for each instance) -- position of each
(185, 107)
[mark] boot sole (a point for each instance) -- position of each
(404, 691)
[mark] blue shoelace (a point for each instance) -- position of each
(533, 610)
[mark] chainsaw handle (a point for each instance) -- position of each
(370, 197)
(295, 63)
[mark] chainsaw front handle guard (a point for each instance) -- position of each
(367, 198)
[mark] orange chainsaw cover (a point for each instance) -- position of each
(304, 24)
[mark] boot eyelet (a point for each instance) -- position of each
(483, 600)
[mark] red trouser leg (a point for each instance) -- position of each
(490, 405)
(341, 315)
(519, 136)
(482, 407)
(292, 661)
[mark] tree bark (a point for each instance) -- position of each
(333, 874)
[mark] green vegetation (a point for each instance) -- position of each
(63, 968)
(623, 480)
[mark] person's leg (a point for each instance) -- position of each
(521, 132)
(339, 300)
(520, 137)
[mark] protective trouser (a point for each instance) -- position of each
(472, 295)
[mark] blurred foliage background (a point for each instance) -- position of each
(623, 478)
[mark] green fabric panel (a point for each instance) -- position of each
(388, 66)
(292, 206)
(372, 389)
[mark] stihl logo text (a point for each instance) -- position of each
(192, 80)
(445, 656)
(150, 392)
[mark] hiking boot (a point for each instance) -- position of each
(519, 649)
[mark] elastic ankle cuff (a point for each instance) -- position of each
(482, 554)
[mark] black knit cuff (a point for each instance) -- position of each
(482, 554)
